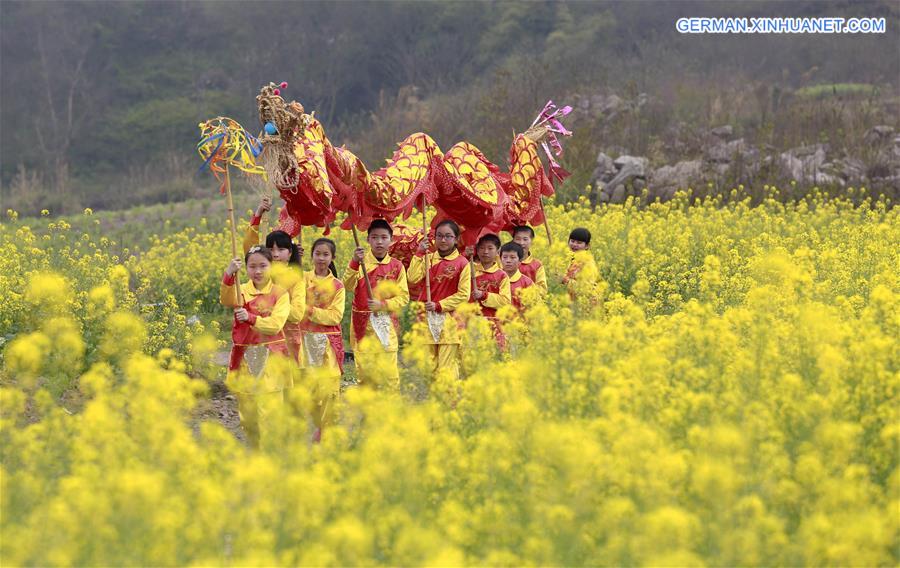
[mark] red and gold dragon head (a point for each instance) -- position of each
(282, 122)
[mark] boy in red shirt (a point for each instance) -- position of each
(491, 289)
(370, 354)
(531, 267)
(511, 255)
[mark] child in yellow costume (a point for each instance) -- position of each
(286, 273)
(582, 275)
(450, 279)
(376, 362)
(258, 368)
(323, 342)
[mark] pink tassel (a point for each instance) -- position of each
(549, 117)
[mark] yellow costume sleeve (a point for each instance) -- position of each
(229, 296)
(504, 298)
(351, 278)
(582, 273)
(251, 237)
(461, 296)
(396, 303)
(298, 301)
(541, 279)
(274, 322)
(416, 271)
(590, 272)
(333, 314)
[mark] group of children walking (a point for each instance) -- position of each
(287, 323)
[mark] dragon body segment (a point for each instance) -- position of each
(317, 179)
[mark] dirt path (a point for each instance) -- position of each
(220, 406)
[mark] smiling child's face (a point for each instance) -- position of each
(445, 239)
(576, 246)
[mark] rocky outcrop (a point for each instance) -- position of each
(728, 160)
(666, 180)
(619, 178)
(606, 107)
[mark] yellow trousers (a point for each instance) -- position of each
(325, 387)
(377, 368)
(444, 360)
(255, 411)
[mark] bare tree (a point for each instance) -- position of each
(63, 79)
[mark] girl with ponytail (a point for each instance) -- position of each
(322, 338)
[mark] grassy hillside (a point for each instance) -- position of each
(100, 101)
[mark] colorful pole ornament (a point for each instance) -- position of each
(224, 143)
(549, 118)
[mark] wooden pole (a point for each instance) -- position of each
(234, 247)
(546, 222)
(300, 243)
(264, 222)
(362, 264)
(427, 258)
(472, 272)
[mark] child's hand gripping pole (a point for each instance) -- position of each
(362, 264)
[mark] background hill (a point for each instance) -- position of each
(100, 101)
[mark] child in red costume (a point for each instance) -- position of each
(531, 267)
(491, 289)
(261, 309)
(511, 255)
(450, 279)
(368, 352)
